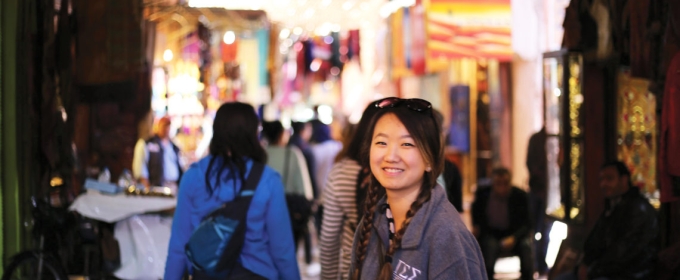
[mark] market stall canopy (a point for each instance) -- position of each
(319, 16)
(185, 19)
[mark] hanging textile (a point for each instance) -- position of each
(669, 166)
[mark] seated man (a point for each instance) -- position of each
(501, 223)
(623, 243)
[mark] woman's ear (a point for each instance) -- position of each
(428, 168)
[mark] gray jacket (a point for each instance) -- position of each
(436, 245)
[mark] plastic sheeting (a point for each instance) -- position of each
(143, 238)
(143, 241)
(113, 208)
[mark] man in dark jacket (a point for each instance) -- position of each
(501, 222)
(160, 165)
(623, 243)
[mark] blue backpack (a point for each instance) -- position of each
(215, 245)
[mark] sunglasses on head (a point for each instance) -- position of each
(415, 104)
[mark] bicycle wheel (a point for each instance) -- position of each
(28, 265)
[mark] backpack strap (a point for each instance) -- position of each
(285, 166)
(253, 179)
(247, 190)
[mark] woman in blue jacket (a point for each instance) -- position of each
(268, 251)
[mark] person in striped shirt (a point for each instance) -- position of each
(340, 204)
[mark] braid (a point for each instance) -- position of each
(374, 193)
(423, 196)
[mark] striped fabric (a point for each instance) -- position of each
(339, 220)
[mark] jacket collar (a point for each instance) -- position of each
(414, 233)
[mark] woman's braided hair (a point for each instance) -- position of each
(425, 131)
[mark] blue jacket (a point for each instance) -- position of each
(268, 250)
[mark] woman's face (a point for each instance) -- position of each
(396, 161)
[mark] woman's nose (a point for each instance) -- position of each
(392, 153)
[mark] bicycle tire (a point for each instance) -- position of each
(28, 259)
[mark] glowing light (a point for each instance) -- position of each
(323, 30)
(558, 233)
(578, 98)
(307, 115)
(315, 65)
(355, 116)
(283, 49)
(284, 33)
(377, 77)
(298, 46)
(283, 3)
(335, 71)
(309, 12)
(229, 37)
(64, 115)
(297, 30)
(347, 5)
(355, 14)
(392, 6)
(557, 92)
(328, 40)
(167, 55)
(291, 70)
(325, 114)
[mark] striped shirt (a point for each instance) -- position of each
(339, 220)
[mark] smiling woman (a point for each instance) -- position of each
(396, 161)
(407, 219)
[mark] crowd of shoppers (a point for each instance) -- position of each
(385, 201)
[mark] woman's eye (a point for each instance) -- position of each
(408, 145)
(380, 143)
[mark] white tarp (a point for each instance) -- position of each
(113, 208)
(143, 241)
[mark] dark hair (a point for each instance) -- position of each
(438, 117)
(500, 171)
(298, 127)
(426, 133)
(321, 132)
(347, 135)
(272, 131)
(234, 140)
(621, 169)
(354, 148)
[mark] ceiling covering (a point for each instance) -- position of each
(319, 16)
